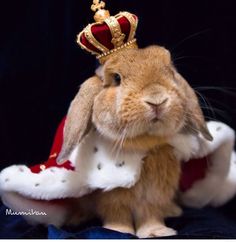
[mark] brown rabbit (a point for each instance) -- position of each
(137, 101)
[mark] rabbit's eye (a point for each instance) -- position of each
(117, 79)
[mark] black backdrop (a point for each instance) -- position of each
(41, 65)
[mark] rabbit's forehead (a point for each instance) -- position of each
(139, 66)
(142, 58)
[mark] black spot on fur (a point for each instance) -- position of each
(99, 166)
(120, 164)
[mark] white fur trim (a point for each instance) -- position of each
(49, 184)
(105, 166)
(211, 189)
(97, 166)
(227, 190)
(186, 146)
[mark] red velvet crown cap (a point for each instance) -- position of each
(102, 34)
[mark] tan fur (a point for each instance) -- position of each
(80, 110)
(148, 202)
(149, 199)
(144, 142)
(121, 114)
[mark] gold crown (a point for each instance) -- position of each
(108, 34)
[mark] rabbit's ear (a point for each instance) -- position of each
(194, 120)
(195, 123)
(78, 120)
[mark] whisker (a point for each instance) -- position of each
(219, 111)
(189, 37)
(207, 103)
(226, 90)
(188, 57)
(116, 143)
(220, 104)
(207, 117)
(122, 141)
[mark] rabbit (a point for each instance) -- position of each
(138, 100)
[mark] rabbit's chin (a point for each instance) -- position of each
(118, 133)
(165, 129)
(159, 129)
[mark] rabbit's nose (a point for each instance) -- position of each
(156, 107)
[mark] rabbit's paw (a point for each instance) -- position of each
(120, 228)
(155, 230)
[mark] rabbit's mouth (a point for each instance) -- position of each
(154, 120)
(153, 123)
(165, 127)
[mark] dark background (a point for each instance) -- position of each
(41, 65)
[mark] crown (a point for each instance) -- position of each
(108, 34)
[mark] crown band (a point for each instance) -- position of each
(131, 44)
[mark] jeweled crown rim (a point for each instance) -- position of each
(131, 44)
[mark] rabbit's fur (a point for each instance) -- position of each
(119, 110)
